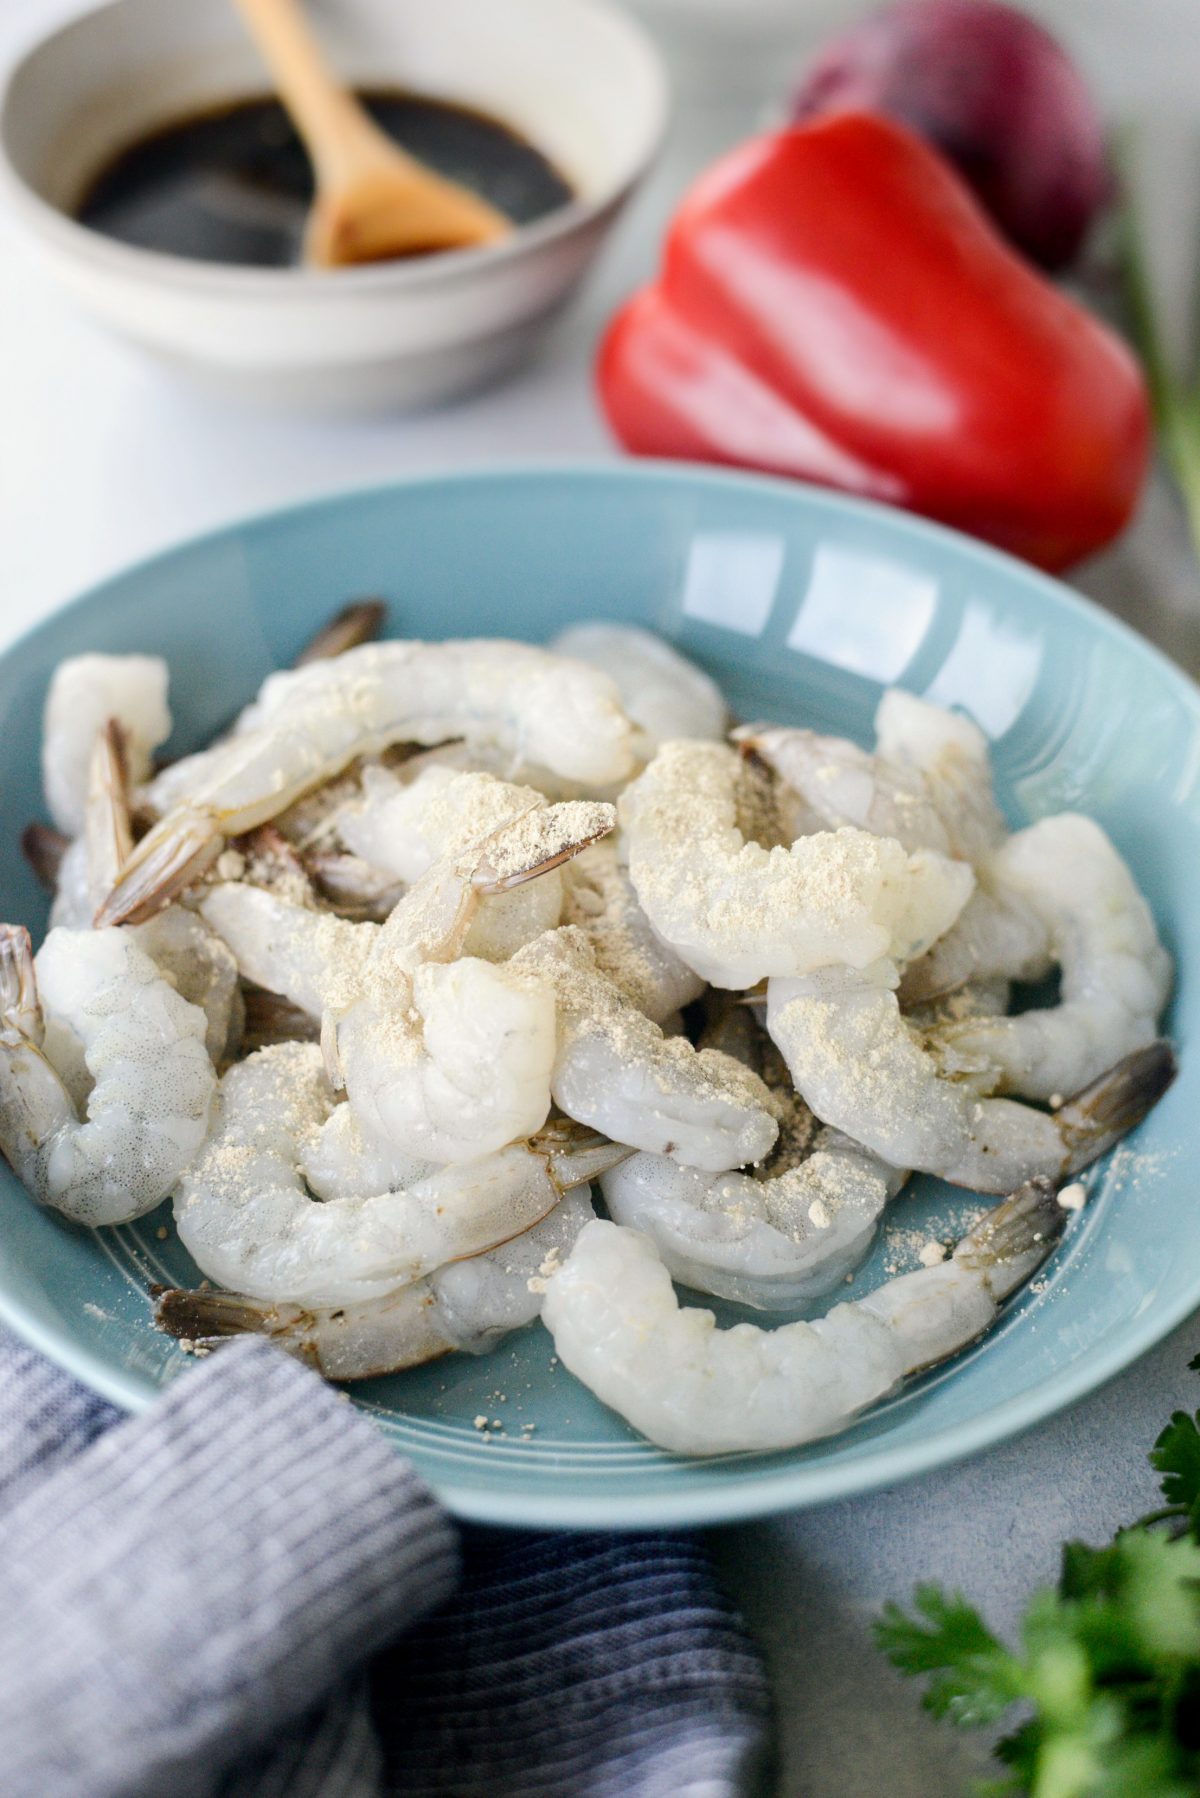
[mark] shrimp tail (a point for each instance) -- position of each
(174, 854)
(358, 622)
(107, 827)
(203, 1316)
(1009, 1242)
(345, 1343)
(540, 839)
(43, 848)
(20, 1008)
(575, 1154)
(207, 1318)
(1091, 1121)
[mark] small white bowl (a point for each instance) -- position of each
(577, 77)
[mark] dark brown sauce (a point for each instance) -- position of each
(233, 185)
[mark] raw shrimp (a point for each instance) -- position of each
(600, 899)
(950, 753)
(615, 1070)
(140, 1046)
(775, 1237)
(244, 1214)
(928, 782)
(830, 783)
(93, 861)
(858, 1064)
(85, 692)
(735, 910)
(663, 693)
(977, 999)
(194, 960)
(698, 1390)
(404, 826)
(449, 1062)
(771, 1243)
(996, 936)
(402, 829)
(1115, 973)
(341, 1162)
(309, 723)
(72, 907)
(445, 1058)
(469, 1305)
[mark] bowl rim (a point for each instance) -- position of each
(289, 285)
(792, 1485)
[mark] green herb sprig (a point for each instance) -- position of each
(1174, 394)
(1108, 1665)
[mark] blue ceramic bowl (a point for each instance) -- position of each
(804, 606)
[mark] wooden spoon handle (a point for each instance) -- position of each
(341, 138)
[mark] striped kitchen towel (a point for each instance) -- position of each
(245, 1593)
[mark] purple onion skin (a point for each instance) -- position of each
(996, 94)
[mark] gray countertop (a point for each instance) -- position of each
(104, 458)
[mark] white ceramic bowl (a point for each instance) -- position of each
(578, 77)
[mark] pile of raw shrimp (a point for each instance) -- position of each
(436, 935)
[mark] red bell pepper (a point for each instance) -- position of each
(834, 305)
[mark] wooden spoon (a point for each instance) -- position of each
(373, 201)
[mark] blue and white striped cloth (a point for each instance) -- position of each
(244, 1593)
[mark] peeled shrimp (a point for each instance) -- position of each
(341, 1162)
(445, 1058)
(469, 1305)
(246, 1218)
(456, 1070)
(201, 968)
(736, 911)
(402, 829)
(928, 782)
(93, 1013)
(663, 693)
(600, 899)
(194, 960)
(1098, 929)
(774, 1237)
(615, 1070)
(449, 1061)
(309, 723)
(997, 935)
(771, 1243)
(862, 1069)
(950, 753)
(698, 1390)
(831, 784)
(85, 692)
(72, 907)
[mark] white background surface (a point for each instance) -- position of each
(104, 458)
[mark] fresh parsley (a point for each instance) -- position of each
(1107, 1670)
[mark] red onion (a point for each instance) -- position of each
(997, 95)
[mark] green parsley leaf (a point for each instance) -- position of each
(974, 1677)
(1176, 1455)
(1109, 1667)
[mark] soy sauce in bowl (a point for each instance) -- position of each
(233, 185)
